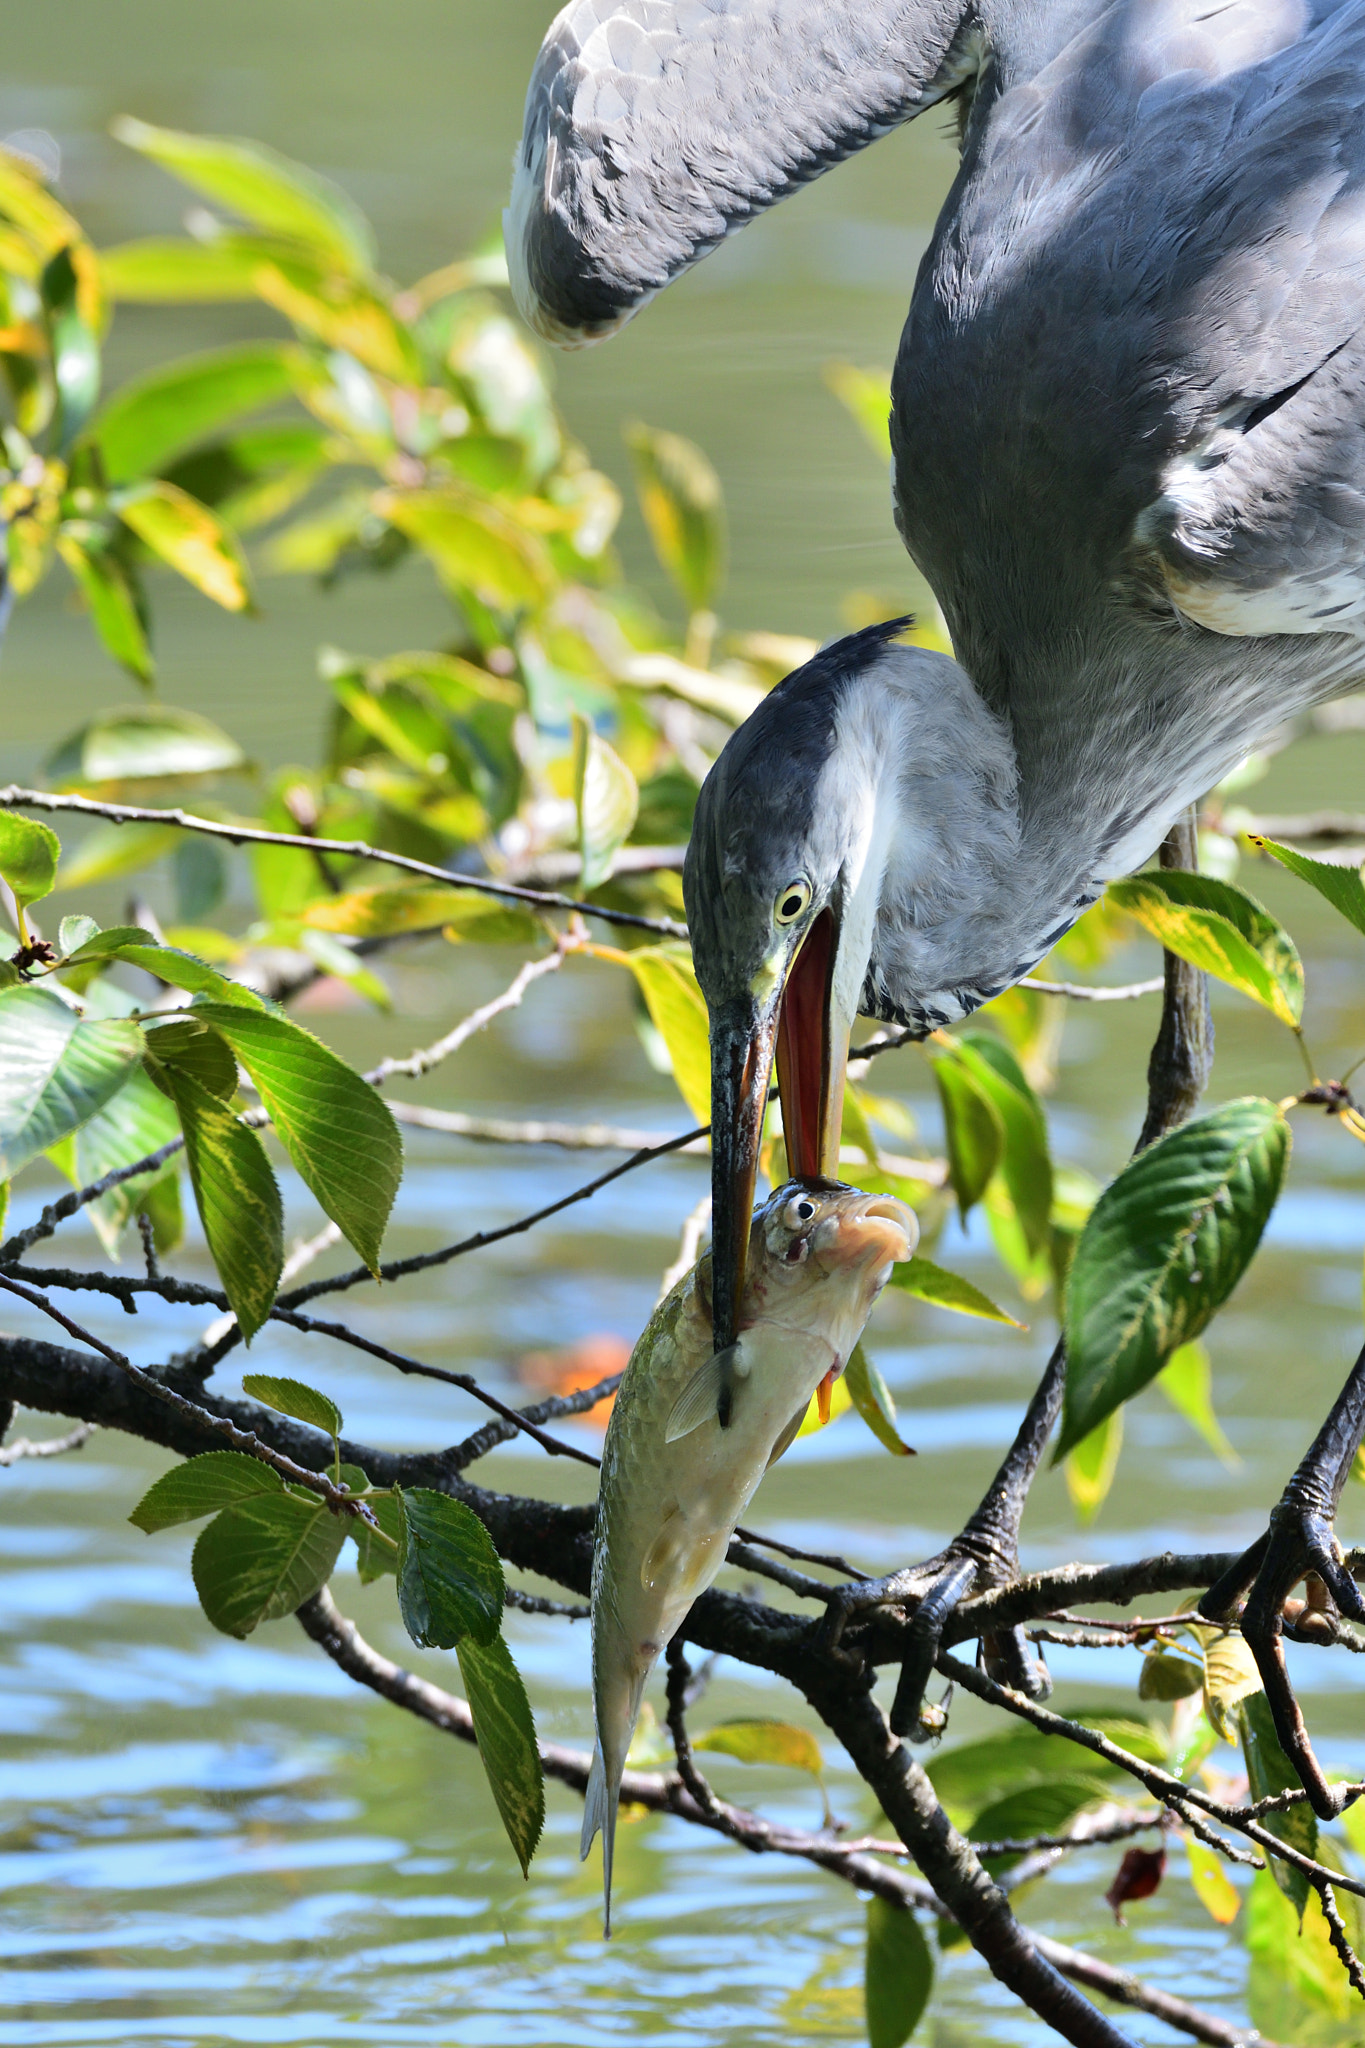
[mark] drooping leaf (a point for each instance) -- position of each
(1091, 1465)
(201, 1486)
(263, 1557)
(1269, 1771)
(29, 853)
(74, 343)
(757, 1741)
(292, 1397)
(450, 1583)
(108, 590)
(265, 188)
(680, 497)
(1044, 1809)
(506, 1733)
(1297, 1990)
(1210, 1882)
(1230, 1676)
(973, 1129)
(156, 416)
(55, 1070)
(607, 799)
(1165, 1676)
(237, 1197)
(1217, 926)
(1025, 1164)
(375, 1557)
(899, 1974)
(461, 913)
(338, 1133)
(873, 1400)
(189, 538)
(678, 1011)
(136, 1121)
(1342, 887)
(1163, 1249)
(140, 743)
(1186, 1380)
(928, 1282)
(866, 395)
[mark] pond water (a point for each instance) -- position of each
(204, 1841)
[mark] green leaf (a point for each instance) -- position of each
(166, 269)
(680, 497)
(112, 850)
(1186, 1380)
(1297, 1989)
(139, 743)
(506, 1735)
(1091, 1466)
(265, 188)
(55, 1071)
(196, 1050)
(292, 1397)
(237, 1197)
(169, 964)
(1026, 1166)
(873, 1400)
(373, 1556)
(973, 1129)
(866, 395)
(1044, 1809)
(29, 853)
(201, 1486)
(1342, 887)
(75, 346)
(73, 933)
(757, 1741)
(109, 593)
(1163, 1249)
(463, 914)
(1230, 1675)
(1165, 1676)
(928, 1282)
(264, 1557)
(977, 1775)
(899, 1974)
(337, 1131)
(1269, 1771)
(607, 798)
(188, 538)
(157, 416)
(136, 1121)
(473, 545)
(1217, 926)
(677, 1008)
(1210, 1882)
(450, 1582)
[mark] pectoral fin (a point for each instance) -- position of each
(700, 1398)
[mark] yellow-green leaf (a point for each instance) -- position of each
(866, 395)
(155, 416)
(190, 539)
(759, 1741)
(873, 1400)
(426, 906)
(607, 799)
(973, 1129)
(29, 853)
(678, 1010)
(928, 1282)
(1217, 926)
(1186, 1380)
(473, 545)
(1210, 1882)
(1091, 1466)
(1230, 1676)
(1342, 887)
(680, 497)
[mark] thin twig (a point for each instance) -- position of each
(48, 1446)
(696, 1223)
(422, 1062)
(679, 1674)
(492, 1434)
(15, 798)
(67, 1205)
(494, 1130)
(1336, 1931)
(1090, 992)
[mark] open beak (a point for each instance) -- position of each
(812, 1054)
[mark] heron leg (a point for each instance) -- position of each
(1299, 1544)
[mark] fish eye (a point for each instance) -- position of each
(798, 1212)
(793, 900)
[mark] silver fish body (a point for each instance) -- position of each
(674, 1484)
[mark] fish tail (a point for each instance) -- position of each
(599, 1811)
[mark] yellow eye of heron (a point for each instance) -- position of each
(792, 901)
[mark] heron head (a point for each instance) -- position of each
(780, 897)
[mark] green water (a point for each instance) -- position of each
(206, 1842)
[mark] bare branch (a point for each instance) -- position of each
(422, 1062)
(67, 1205)
(494, 1130)
(15, 798)
(1336, 1930)
(47, 1447)
(679, 1673)
(1092, 992)
(695, 1226)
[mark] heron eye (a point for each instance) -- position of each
(792, 901)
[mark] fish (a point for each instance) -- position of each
(674, 1483)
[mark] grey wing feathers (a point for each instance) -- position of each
(653, 128)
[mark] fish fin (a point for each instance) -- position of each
(700, 1398)
(664, 1551)
(599, 1812)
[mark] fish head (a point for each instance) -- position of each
(820, 1254)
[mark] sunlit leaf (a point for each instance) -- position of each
(169, 269)
(75, 345)
(450, 1583)
(263, 1557)
(1297, 1987)
(1269, 1771)
(1025, 1166)
(55, 1070)
(973, 1129)
(1342, 886)
(196, 1050)
(677, 1007)
(928, 1282)
(140, 743)
(899, 1974)
(473, 545)
(293, 1397)
(873, 1400)
(1210, 1882)
(74, 932)
(1042, 1809)
(1164, 1247)
(757, 1741)
(29, 853)
(1186, 1380)
(866, 395)
(342, 314)
(1091, 1465)
(189, 538)
(237, 1197)
(1230, 1676)
(680, 497)
(135, 1122)
(155, 416)
(1217, 926)
(425, 906)
(607, 800)
(176, 968)
(201, 1486)
(107, 588)
(506, 1733)
(1165, 1676)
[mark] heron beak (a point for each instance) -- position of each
(742, 1036)
(812, 1057)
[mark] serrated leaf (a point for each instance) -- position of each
(1210, 1882)
(1341, 886)
(186, 1043)
(757, 1741)
(264, 1557)
(506, 1733)
(1025, 1164)
(677, 1008)
(189, 538)
(265, 188)
(450, 1582)
(374, 1557)
(110, 595)
(169, 964)
(461, 913)
(866, 396)
(140, 743)
(1162, 1250)
(237, 1198)
(973, 1130)
(1168, 1677)
(873, 1400)
(156, 416)
(898, 1975)
(201, 1486)
(607, 800)
(337, 1131)
(1269, 1771)
(1091, 1466)
(55, 1071)
(29, 853)
(135, 1122)
(1217, 926)
(292, 1397)
(684, 510)
(74, 932)
(931, 1283)
(1186, 1380)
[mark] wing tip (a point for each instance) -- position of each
(548, 286)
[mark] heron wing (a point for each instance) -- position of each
(654, 128)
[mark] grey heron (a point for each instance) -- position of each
(1128, 427)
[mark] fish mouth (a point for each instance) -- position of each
(876, 1231)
